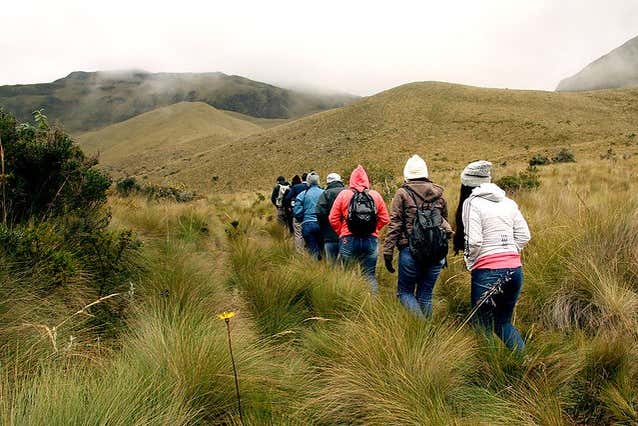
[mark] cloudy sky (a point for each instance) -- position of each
(360, 47)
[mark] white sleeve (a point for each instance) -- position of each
(473, 230)
(521, 230)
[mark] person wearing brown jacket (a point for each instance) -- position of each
(415, 281)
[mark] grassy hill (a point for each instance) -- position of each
(445, 123)
(147, 144)
(91, 100)
(618, 68)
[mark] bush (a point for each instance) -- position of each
(46, 173)
(126, 186)
(539, 160)
(56, 234)
(129, 186)
(565, 155)
(526, 179)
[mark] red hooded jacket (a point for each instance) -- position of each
(339, 212)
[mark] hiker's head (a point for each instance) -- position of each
(359, 179)
(281, 179)
(312, 179)
(304, 177)
(477, 173)
(415, 168)
(296, 180)
(333, 177)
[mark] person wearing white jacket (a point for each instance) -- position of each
(494, 234)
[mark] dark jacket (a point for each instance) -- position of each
(275, 193)
(324, 205)
(291, 195)
(404, 209)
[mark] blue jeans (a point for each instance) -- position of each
(312, 236)
(416, 283)
(364, 251)
(497, 316)
(331, 249)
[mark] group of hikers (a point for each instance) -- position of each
(343, 224)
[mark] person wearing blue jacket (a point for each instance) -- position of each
(305, 212)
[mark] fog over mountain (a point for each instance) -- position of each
(617, 69)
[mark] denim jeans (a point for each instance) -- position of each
(364, 251)
(331, 249)
(497, 316)
(312, 236)
(416, 283)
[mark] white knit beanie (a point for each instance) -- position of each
(333, 177)
(477, 173)
(415, 168)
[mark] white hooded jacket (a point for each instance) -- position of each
(493, 224)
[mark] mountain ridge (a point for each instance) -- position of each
(85, 100)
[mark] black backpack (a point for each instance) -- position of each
(428, 241)
(362, 214)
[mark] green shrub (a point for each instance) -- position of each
(539, 160)
(565, 155)
(46, 172)
(127, 186)
(525, 180)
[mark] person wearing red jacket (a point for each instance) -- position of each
(362, 249)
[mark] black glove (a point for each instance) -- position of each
(388, 263)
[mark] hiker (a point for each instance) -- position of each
(420, 231)
(287, 204)
(305, 212)
(290, 198)
(277, 198)
(494, 232)
(324, 205)
(357, 216)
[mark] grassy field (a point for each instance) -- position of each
(313, 347)
(446, 124)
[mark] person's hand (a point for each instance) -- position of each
(388, 263)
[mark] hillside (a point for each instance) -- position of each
(617, 69)
(91, 100)
(145, 144)
(445, 123)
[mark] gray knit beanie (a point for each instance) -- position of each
(312, 179)
(477, 173)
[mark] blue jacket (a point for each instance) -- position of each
(292, 193)
(305, 208)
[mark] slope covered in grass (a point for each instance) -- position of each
(149, 143)
(446, 124)
(90, 100)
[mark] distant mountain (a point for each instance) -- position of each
(91, 100)
(617, 69)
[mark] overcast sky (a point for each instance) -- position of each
(361, 47)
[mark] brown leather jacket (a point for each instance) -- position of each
(404, 209)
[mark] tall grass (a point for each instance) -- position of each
(313, 347)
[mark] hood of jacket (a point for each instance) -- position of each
(359, 179)
(490, 192)
(425, 189)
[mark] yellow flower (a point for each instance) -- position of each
(226, 315)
